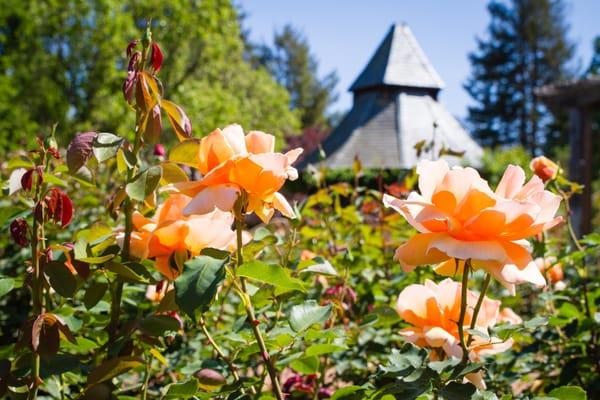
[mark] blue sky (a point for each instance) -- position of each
(344, 34)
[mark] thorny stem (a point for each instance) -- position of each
(115, 311)
(463, 309)
(276, 386)
(578, 245)
(37, 289)
(217, 348)
(486, 284)
(146, 379)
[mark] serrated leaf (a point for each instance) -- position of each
(179, 120)
(105, 146)
(186, 152)
(61, 278)
(111, 368)
(568, 393)
(182, 390)
(80, 150)
(458, 391)
(305, 315)
(94, 294)
(6, 285)
(196, 287)
(127, 273)
(321, 266)
(157, 325)
(144, 183)
(323, 348)
(270, 273)
(306, 365)
(172, 173)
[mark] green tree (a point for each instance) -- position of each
(594, 68)
(526, 47)
(293, 65)
(64, 61)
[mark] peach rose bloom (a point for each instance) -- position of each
(552, 271)
(155, 293)
(508, 315)
(433, 310)
(459, 217)
(544, 168)
(231, 162)
(169, 236)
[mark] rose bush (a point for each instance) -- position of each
(135, 270)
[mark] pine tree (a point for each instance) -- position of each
(526, 47)
(292, 65)
(594, 68)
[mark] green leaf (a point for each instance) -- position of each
(321, 266)
(197, 286)
(306, 365)
(157, 325)
(172, 173)
(106, 145)
(568, 393)
(111, 368)
(348, 392)
(127, 272)
(304, 315)
(61, 278)
(186, 152)
(183, 390)
(144, 183)
(94, 294)
(322, 348)
(535, 323)
(458, 391)
(270, 273)
(6, 285)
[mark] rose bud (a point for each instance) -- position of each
(156, 57)
(131, 46)
(159, 150)
(544, 168)
(18, 231)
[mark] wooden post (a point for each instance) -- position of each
(580, 167)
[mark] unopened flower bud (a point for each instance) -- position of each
(544, 168)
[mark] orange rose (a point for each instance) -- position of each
(508, 315)
(169, 237)
(544, 168)
(231, 163)
(552, 271)
(433, 310)
(459, 217)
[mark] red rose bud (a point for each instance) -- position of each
(131, 46)
(156, 57)
(18, 231)
(131, 66)
(27, 180)
(59, 207)
(544, 168)
(159, 150)
(129, 86)
(54, 152)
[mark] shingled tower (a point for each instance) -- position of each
(395, 107)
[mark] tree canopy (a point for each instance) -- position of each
(63, 62)
(292, 64)
(526, 47)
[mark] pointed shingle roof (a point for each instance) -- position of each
(395, 107)
(398, 61)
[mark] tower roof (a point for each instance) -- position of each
(398, 61)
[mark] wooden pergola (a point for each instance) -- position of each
(582, 99)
